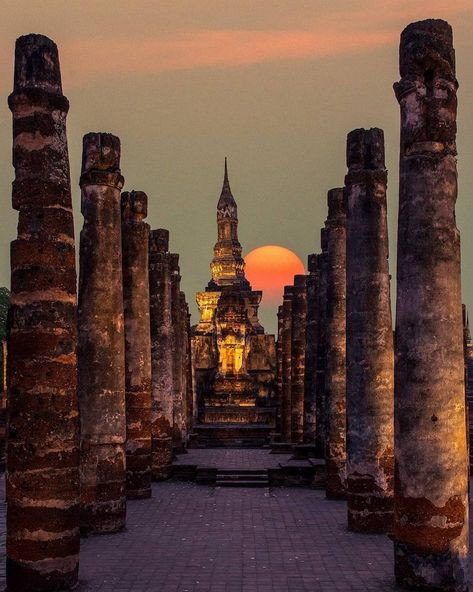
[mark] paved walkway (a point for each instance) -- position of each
(191, 537)
(232, 458)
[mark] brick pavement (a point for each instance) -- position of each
(195, 538)
(232, 458)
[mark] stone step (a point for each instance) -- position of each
(242, 478)
(247, 483)
(243, 472)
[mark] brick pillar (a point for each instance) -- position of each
(286, 364)
(178, 399)
(188, 370)
(161, 354)
(279, 370)
(299, 314)
(431, 487)
(320, 403)
(335, 372)
(42, 477)
(135, 239)
(311, 351)
(101, 351)
(184, 366)
(370, 357)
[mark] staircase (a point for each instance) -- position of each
(242, 478)
(228, 435)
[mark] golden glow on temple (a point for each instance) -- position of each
(234, 360)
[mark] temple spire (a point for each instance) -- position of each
(225, 177)
(227, 265)
(226, 204)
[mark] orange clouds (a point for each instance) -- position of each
(92, 57)
(132, 45)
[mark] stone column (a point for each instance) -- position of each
(370, 356)
(188, 370)
(320, 403)
(101, 351)
(299, 313)
(286, 350)
(184, 366)
(335, 372)
(135, 239)
(42, 478)
(311, 351)
(279, 370)
(161, 354)
(177, 359)
(431, 489)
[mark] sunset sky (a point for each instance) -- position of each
(273, 85)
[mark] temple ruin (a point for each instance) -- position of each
(109, 387)
(234, 360)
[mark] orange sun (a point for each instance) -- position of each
(270, 268)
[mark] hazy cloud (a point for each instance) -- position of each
(88, 58)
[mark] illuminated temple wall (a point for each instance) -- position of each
(234, 360)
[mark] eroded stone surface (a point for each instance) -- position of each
(179, 413)
(161, 354)
(335, 343)
(298, 331)
(370, 357)
(321, 403)
(101, 351)
(311, 341)
(286, 353)
(43, 424)
(135, 239)
(431, 488)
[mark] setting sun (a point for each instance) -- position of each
(270, 268)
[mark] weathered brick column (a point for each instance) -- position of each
(101, 351)
(42, 477)
(135, 239)
(370, 356)
(311, 350)
(184, 366)
(320, 403)
(335, 372)
(279, 370)
(286, 349)
(161, 354)
(189, 394)
(431, 488)
(177, 357)
(299, 314)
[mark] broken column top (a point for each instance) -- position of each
(427, 46)
(159, 241)
(300, 281)
(312, 263)
(100, 152)
(174, 262)
(365, 149)
(323, 239)
(335, 201)
(134, 205)
(37, 64)
(288, 291)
